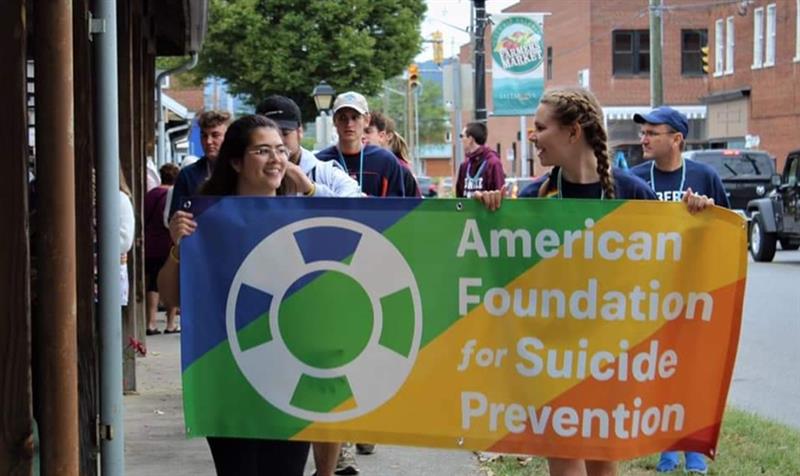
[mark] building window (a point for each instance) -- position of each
(719, 48)
(729, 45)
(769, 59)
(691, 55)
(631, 52)
(550, 61)
(758, 37)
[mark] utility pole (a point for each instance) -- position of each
(656, 76)
(480, 61)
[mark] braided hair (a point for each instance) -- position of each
(578, 105)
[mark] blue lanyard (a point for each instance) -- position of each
(602, 192)
(653, 177)
(478, 172)
(360, 166)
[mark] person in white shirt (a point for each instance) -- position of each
(330, 179)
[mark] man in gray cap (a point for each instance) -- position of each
(329, 178)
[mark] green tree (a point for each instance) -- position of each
(264, 47)
(432, 115)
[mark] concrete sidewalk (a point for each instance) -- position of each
(155, 443)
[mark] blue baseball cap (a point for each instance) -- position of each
(665, 115)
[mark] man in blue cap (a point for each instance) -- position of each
(662, 135)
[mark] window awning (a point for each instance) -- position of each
(623, 113)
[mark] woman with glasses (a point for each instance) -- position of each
(252, 161)
(569, 135)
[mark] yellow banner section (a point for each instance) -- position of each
(620, 344)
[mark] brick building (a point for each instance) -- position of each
(604, 45)
(754, 86)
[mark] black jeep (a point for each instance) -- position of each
(746, 174)
(777, 217)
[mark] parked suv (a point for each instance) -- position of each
(746, 174)
(777, 217)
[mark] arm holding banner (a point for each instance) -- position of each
(181, 225)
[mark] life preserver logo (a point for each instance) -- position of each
(299, 363)
(518, 45)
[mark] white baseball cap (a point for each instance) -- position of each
(352, 100)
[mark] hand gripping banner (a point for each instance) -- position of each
(566, 328)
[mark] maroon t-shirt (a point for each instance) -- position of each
(482, 170)
(156, 236)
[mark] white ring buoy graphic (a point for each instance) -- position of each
(374, 375)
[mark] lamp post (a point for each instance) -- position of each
(323, 95)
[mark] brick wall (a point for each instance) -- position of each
(774, 112)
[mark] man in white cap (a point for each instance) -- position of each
(375, 169)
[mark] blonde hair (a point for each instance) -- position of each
(580, 106)
(397, 144)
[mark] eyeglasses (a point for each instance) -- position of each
(651, 134)
(264, 151)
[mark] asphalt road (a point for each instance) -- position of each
(766, 379)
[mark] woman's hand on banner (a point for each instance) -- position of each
(180, 225)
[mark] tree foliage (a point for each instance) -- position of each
(264, 47)
(431, 114)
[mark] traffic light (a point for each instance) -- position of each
(438, 47)
(704, 58)
(413, 76)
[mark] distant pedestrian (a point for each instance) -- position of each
(156, 247)
(382, 132)
(481, 169)
(213, 125)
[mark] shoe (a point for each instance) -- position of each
(177, 330)
(346, 464)
(669, 462)
(152, 332)
(695, 463)
(365, 448)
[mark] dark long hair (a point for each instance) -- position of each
(224, 178)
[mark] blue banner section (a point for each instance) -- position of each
(229, 228)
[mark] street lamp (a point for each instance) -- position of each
(323, 95)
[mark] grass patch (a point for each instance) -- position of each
(749, 445)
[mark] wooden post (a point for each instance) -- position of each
(88, 336)
(16, 417)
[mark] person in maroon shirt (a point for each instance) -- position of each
(157, 244)
(482, 169)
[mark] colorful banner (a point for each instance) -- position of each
(569, 328)
(517, 63)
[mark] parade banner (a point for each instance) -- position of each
(517, 63)
(601, 329)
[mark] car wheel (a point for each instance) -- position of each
(789, 246)
(762, 244)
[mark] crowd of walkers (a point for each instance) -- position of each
(262, 155)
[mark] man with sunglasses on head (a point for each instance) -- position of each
(329, 178)
(482, 169)
(663, 134)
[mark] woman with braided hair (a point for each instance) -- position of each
(569, 135)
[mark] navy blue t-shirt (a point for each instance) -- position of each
(700, 177)
(188, 182)
(626, 187)
(382, 175)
